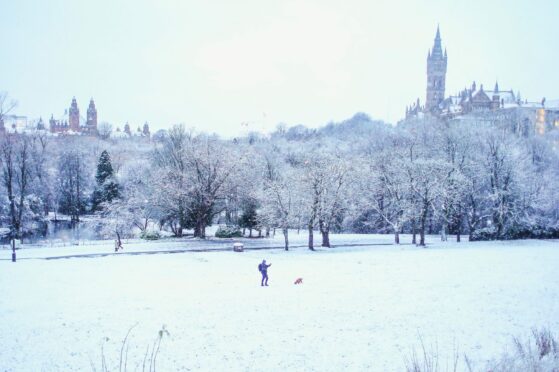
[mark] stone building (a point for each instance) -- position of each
(73, 123)
(479, 104)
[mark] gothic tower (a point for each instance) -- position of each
(436, 74)
(74, 116)
(91, 117)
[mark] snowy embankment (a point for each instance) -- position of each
(359, 308)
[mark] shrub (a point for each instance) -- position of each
(517, 231)
(540, 352)
(150, 235)
(228, 232)
(487, 233)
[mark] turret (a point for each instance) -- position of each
(74, 116)
(496, 100)
(91, 117)
(146, 131)
(52, 124)
(40, 124)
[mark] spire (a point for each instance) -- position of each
(437, 49)
(496, 90)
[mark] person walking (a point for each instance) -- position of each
(263, 268)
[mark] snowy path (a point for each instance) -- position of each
(101, 248)
(358, 308)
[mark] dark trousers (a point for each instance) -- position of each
(264, 279)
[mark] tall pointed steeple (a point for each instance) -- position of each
(436, 74)
(496, 90)
(437, 48)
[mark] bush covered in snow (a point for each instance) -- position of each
(150, 235)
(228, 232)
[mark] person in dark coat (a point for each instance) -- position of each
(263, 267)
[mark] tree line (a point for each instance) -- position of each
(462, 177)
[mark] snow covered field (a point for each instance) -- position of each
(359, 308)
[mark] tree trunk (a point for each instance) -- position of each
(458, 227)
(286, 238)
(443, 231)
(396, 236)
(311, 237)
(118, 241)
(422, 228)
(414, 232)
(249, 232)
(326, 238)
(200, 228)
(325, 231)
(13, 249)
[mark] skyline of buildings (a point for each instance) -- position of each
(71, 122)
(476, 102)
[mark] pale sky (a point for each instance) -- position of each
(232, 66)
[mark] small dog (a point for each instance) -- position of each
(299, 281)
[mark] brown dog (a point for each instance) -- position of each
(299, 281)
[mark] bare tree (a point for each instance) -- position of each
(15, 156)
(73, 177)
(6, 105)
(277, 197)
(200, 169)
(105, 129)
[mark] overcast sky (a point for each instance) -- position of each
(233, 66)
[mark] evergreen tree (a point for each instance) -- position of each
(249, 218)
(107, 188)
(104, 168)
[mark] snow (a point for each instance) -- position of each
(72, 247)
(359, 308)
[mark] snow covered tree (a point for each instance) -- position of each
(277, 196)
(117, 220)
(385, 182)
(15, 157)
(73, 180)
(107, 188)
(199, 170)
